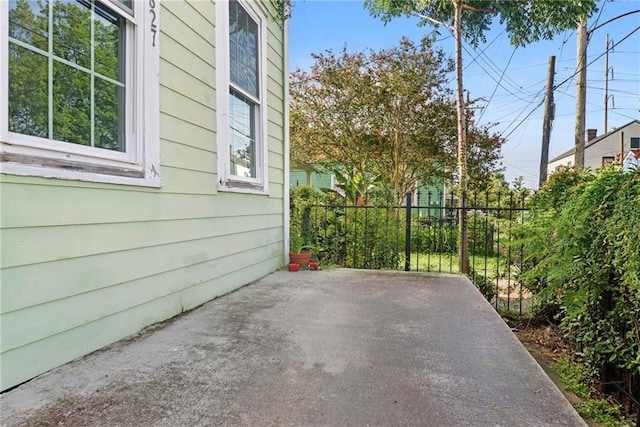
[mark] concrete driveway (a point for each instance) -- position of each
(336, 348)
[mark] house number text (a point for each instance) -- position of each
(154, 26)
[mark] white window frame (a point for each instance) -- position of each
(227, 181)
(27, 155)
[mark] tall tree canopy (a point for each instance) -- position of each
(526, 21)
(384, 116)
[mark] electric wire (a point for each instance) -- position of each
(497, 85)
(598, 57)
(562, 83)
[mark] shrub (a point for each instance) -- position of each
(583, 263)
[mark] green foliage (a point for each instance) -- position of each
(283, 10)
(373, 241)
(347, 235)
(385, 116)
(525, 21)
(301, 227)
(575, 376)
(601, 411)
(434, 237)
(578, 379)
(583, 262)
(485, 286)
(355, 185)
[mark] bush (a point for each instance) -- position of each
(583, 263)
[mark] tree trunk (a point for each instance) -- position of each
(463, 248)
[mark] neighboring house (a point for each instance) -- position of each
(603, 149)
(143, 168)
(430, 198)
(306, 174)
(631, 161)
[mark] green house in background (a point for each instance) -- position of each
(429, 197)
(144, 158)
(306, 174)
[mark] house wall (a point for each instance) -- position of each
(608, 146)
(298, 178)
(430, 196)
(563, 161)
(318, 179)
(85, 264)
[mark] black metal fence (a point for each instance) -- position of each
(422, 235)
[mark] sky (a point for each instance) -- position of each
(511, 81)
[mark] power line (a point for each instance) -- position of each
(598, 57)
(496, 88)
(524, 119)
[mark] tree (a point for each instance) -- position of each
(384, 118)
(526, 21)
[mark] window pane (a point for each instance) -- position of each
(635, 142)
(71, 104)
(109, 116)
(29, 21)
(72, 31)
(242, 136)
(243, 49)
(109, 44)
(28, 94)
(128, 3)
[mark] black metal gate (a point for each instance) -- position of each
(422, 236)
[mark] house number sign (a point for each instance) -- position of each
(154, 26)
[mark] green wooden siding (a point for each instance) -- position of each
(85, 264)
(430, 198)
(297, 178)
(318, 179)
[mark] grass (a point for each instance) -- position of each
(490, 267)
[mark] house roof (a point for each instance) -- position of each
(301, 166)
(593, 141)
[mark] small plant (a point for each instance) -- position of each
(301, 231)
(486, 288)
(578, 380)
(296, 241)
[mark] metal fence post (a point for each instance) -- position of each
(407, 235)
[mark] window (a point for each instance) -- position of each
(607, 160)
(635, 142)
(241, 96)
(75, 101)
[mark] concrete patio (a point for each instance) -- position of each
(335, 347)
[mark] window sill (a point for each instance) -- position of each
(242, 187)
(77, 175)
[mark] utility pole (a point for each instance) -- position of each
(606, 86)
(548, 118)
(581, 92)
(463, 237)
